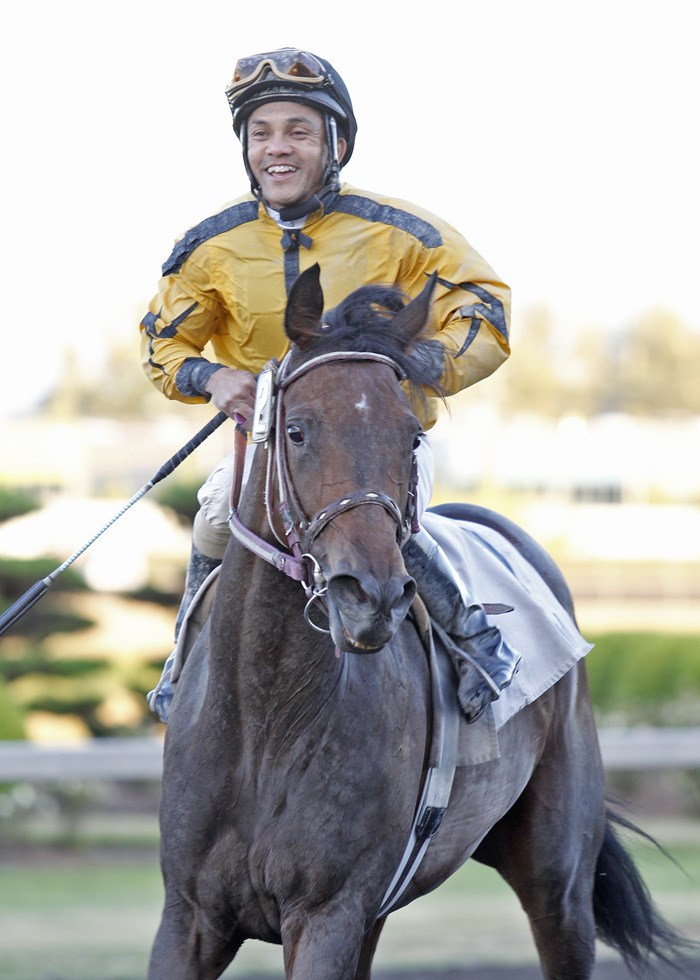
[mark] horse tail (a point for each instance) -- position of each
(625, 915)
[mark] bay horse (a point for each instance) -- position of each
(294, 759)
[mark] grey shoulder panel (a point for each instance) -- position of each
(237, 214)
(365, 207)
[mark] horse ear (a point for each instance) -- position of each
(409, 321)
(302, 319)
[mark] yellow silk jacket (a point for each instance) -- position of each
(226, 283)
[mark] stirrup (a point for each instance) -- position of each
(161, 697)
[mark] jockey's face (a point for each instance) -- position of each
(287, 152)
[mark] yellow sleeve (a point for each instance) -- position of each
(471, 309)
(470, 314)
(181, 320)
(476, 335)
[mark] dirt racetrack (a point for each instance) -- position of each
(605, 971)
(610, 970)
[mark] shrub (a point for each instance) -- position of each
(19, 574)
(14, 503)
(650, 677)
(180, 497)
(11, 716)
(35, 662)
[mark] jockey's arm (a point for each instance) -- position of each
(476, 336)
(180, 322)
(470, 312)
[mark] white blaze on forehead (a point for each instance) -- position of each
(362, 405)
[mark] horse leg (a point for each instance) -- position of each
(546, 846)
(369, 948)
(187, 948)
(326, 943)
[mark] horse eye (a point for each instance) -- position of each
(417, 441)
(296, 434)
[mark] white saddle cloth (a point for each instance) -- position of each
(539, 628)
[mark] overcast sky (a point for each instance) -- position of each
(559, 137)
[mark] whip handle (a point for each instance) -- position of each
(23, 604)
(182, 454)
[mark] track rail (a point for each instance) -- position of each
(140, 759)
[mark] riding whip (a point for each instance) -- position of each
(32, 595)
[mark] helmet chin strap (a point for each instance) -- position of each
(331, 177)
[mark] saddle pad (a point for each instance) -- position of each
(539, 627)
(195, 618)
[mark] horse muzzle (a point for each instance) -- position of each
(364, 613)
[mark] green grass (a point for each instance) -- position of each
(92, 915)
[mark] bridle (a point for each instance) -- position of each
(300, 530)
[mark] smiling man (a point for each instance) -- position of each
(226, 283)
(287, 152)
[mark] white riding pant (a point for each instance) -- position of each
(211, 534)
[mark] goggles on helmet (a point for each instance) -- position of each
(287, 64)
(295, 76)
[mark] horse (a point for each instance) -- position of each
(294, 757)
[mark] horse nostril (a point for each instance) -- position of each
(349, 591)
(365, 614)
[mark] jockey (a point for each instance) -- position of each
(226, 282)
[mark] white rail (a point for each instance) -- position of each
(140, 759)
(650, 748)
(109, 759)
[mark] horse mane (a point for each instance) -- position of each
(363, 322)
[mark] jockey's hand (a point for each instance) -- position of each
(233, 392)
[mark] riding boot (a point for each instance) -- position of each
(199, 568)
(484, 662)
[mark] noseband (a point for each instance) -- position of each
(300, 531)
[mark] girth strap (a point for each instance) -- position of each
(442, 764)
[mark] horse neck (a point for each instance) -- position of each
(261, 646)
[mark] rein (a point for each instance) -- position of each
(293, 565)
(300, 531)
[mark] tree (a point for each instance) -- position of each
(118, 389)
(656, 362)
(533, 379)
(648, 367)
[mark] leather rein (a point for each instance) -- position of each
(299, 530)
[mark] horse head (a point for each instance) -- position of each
(349, 440)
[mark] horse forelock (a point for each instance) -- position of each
(363, 322)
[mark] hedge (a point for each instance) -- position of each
(652, 677)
